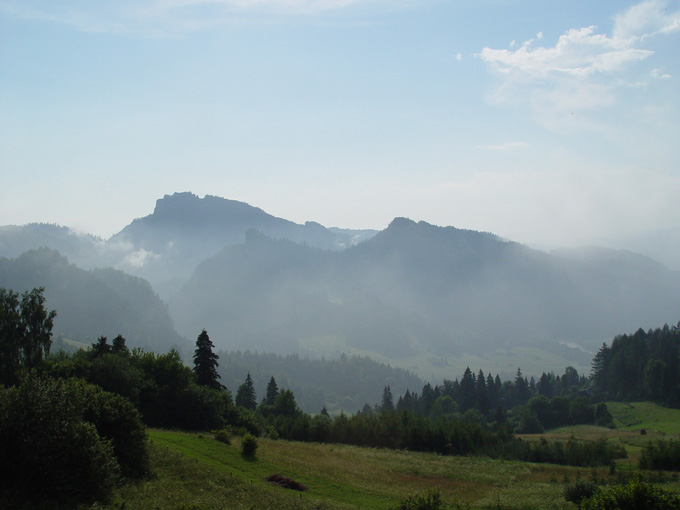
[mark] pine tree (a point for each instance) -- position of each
(482, 393)
(271, 393)
(468, 391)
(245, 396)
(387, 401)
(101, 347)
(205, 362)
(118, 346)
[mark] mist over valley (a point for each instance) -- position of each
(429, 299)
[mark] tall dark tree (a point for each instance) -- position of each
(272, 392)
(118, 346)
(205, 362)
(100, 347)
(468, 391)
(482, 393)
(521, 388)
(387, 399)
(245, 396)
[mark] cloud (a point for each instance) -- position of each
(578, 52)
(504, 146)
(660, 75)
(139, 258)
(584, 68)
(645, 20)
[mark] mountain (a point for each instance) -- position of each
(423, 295)
(166, 246)
(99, 302)
(86, 250)
(416, 290)
(661, 245)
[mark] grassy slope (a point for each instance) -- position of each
(195, 472)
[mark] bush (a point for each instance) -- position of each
(579, 491)
(50, 454)
(117, 420)
(249, 445)
(636, 495)
(222, 435)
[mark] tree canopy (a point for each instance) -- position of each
(25, 331)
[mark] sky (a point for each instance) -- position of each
(549, 123)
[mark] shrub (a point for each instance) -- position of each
(636, 495)
(117, 420)
(222, 435)
(249, 445)
(579, 491)
(51, 455)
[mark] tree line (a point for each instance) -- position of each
(644, 365)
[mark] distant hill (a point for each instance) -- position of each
(93, 303)
(184, 230)
(415, 289)
(345, 383)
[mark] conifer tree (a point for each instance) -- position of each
(387, 400)
(272, 392)
(245, 396)
(205, 362)
(118, 346)
(101, 347)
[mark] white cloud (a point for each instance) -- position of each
(584, 69)
(139, 258)
(660, 75)
(579, 52)
(644, 20)
(459, 56)
(504, 146)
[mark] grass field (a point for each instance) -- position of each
(196, 472)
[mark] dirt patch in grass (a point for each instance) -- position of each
(285, 482)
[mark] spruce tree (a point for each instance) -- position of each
(205, 362)
(245, 396)
(387, 401)
(118, 346)
(272, 392)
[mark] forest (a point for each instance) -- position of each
(101, 399)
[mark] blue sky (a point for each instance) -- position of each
(545, 122)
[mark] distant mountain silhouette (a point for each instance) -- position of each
(185, 230)
(417, 288)
(89, 304)
(167, 245)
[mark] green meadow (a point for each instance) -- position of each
(193, 471)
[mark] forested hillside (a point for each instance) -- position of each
(416, 290)
(644, 365)
(346, 383)
(95, 302)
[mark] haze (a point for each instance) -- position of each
(549, 123)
